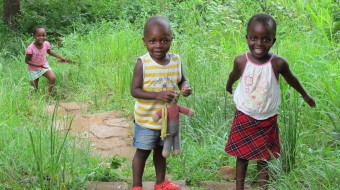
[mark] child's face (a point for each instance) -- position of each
(157, 41)
(39, 36)
(260, 38)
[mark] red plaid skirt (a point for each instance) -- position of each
(253, 139)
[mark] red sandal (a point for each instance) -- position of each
(137, 188)
(167, 185)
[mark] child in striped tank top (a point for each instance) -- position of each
(156, 77)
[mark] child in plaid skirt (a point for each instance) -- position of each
(254, 134)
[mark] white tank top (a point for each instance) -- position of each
(258, 93)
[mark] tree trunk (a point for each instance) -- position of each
(11, 8)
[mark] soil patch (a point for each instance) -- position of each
(110, 133)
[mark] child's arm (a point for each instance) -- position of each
(28, 60)
(137, 90)
(235, 74)
(54, 54)
(284, 70)
(184, 85)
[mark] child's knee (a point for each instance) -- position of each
(142, 154)
(52, 80)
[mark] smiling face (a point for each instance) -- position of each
(39, 36)
(260, 38)
(157, 40)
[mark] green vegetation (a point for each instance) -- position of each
(105, 38)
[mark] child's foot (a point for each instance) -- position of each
(167, 185)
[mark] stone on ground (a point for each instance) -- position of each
(228, 172)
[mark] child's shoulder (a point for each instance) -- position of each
(240, 59)
(47, 43)
(279, 64)
(175, 57)
(30, 45)
(278, 60)
(144, 55)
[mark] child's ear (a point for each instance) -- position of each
(144, 42)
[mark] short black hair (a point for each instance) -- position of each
(157, 20)
(36, 28)
(262, 18)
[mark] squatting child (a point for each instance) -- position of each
(254, 134)
(36, 59)
(156, 76)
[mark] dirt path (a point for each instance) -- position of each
(110, 134)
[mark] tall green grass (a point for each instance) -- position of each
(56, 159)
(207, 35)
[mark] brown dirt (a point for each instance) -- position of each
(110, 133)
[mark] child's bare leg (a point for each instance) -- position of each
(34, 84)
(138, 164)
(241, 170)
(262, 167)
(51, 80)
(160, 164)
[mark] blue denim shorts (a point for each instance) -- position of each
(146, 139)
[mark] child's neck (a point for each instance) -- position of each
(261, 60)
(39, 46)
(163, 61)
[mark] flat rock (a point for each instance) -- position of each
(97, 185)
(228, 172)
(127, 152)
(209, 185)
(104, 131)
(119, 122)
(70, 106)
(107, 144)
(52, 108)
(212, 185)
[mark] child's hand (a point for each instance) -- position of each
(63, 60)
(186, 91)
(229, 89)
(310, 101)
(166, 95)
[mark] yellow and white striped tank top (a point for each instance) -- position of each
(156, 78)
